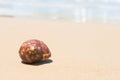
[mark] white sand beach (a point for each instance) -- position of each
(80, 51)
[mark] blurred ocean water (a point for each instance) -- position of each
(105, 11)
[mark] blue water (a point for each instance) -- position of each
(68, 10)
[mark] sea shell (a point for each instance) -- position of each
(32, 51)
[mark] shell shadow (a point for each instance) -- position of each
(47, 61)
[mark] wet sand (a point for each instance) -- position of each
(79, 51)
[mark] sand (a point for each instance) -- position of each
(80, 51)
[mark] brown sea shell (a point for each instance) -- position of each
(32, 51)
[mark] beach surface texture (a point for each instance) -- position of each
(80, 51)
